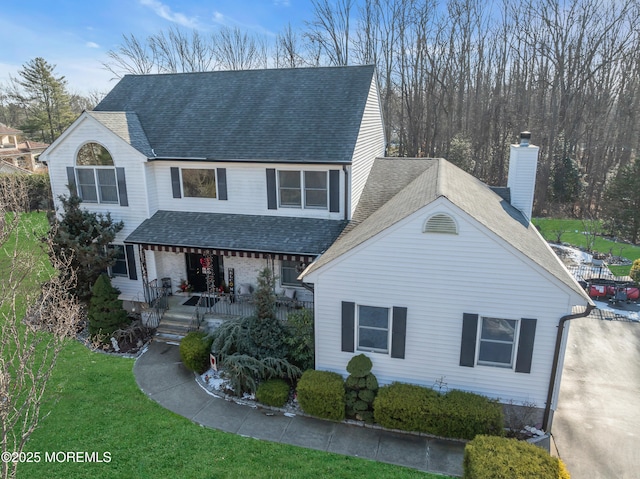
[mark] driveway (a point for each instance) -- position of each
(597, 425)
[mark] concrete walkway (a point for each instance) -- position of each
(161, 375)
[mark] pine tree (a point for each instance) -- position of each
(84, 236)
(45, 98)
(105, 309)
(622, 202)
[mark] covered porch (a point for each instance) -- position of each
(207, 264)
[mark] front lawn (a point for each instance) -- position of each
(573, 233)
(99, 409)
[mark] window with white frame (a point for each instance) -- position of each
(373, 329)
(497, 342)
(302, 189)
(119, 268)
(199, 182)
(96, 175)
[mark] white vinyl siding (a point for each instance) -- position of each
(369, 145)
(63, 155)
(439, 278)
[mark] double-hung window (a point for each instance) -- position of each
(497, 342)
(373, 329)
(119, 268)
(302, 189)
(96, 175)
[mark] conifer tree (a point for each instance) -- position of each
(105, 309)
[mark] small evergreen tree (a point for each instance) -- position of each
(105, 309)
(84, 236)
(266, 331)
(622, 202)
(300, 338)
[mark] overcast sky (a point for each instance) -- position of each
(75, 35)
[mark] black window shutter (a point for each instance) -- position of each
(398, 332)
(175, 182)
(222, 183)
(334, 191)
(348, 326)
(525, 345)
(468, 344)
(71, 180)
(131, 261)
(272, 197)
(122, 187)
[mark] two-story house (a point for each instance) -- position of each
(218, 174)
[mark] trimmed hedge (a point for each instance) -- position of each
(321, 394)
(490, 457)
(194, 351)
(456, 414)
(273, 392)
(404, 406)
(464, 415)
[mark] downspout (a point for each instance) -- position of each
(556, 357)
(346, 191)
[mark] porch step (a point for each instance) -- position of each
(173, 327)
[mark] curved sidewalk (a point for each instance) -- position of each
(161, 376)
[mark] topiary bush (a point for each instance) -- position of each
(464, 415)
(274, 392)
(360, 387)
(404, 406)
(490, 457)
(194, 351)
(321, 394)
(105, 312)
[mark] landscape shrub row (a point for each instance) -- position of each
(456, 414)
(490, 457)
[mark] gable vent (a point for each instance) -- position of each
(441, 223)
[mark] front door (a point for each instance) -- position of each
(196, 272)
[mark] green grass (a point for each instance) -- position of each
(100, 408)
(94, 405)
(574, 236)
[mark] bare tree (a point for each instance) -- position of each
(133, 56)
(237, 50)
(329, 29)
(288, 50)
(29, 344)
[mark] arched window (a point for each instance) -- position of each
(441, 223)
(96, 175)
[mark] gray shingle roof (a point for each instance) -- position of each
(268, 234)
(301, 114)
(127, 126)
(439, 178)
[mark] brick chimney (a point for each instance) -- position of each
(523, 162)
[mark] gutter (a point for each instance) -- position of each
(546, 420)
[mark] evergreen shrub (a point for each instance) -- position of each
(457, 414)
(490, 457)
(361, 387)
(194, 351)
(464, 415)
(321, 394)
(404, 406)
(105, 312)
(274, 392)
